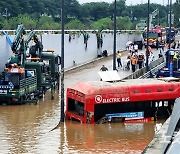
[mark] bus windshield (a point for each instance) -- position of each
(76, 107)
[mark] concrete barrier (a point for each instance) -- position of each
(154, 67)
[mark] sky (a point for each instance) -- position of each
(129, 2)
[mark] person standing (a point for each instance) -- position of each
(160, 54)
(175, 60)
(178, 45)
(133, 63)
(118, 56)
(162, 46)
(173, 45)
(157, 44)
(171, 53)
(167, 46)
(136, 48)
(149, 50)
(151, 57)
(140, 60)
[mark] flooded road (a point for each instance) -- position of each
(27, 128)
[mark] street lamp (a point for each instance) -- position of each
(147, 50)
(114, 50)
(62, 62)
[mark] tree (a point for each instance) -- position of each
(86, 14)
(120, 7)
(96, 10)
(13, 22)
(105, 23)
(71, 8)
(176, 8)
(75, 24)
(46, 22)
(124, 23)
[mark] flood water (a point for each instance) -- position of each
(28, 129)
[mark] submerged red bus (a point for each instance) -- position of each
(89, 102)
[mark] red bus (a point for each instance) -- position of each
(88, 102)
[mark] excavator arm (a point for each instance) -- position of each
(20, 45)
(18, 42)
(37, 48)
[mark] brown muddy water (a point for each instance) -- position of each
(27, 129)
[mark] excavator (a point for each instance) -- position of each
(26, 76)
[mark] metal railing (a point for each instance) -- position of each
(75, 31)
(153, 68)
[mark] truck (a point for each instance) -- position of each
(25, 77)
(157, 33)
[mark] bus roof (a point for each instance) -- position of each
(99, 87)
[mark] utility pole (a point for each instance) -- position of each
(114, 51)
(62, 61)
(147, 50)
(6, 12)
(170, 14)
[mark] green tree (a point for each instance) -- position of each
(75, 24)
(95, 10)
(120, 7)
(176, 9)
(124, 23)
(105, 23)
(24, 6)
(140, 10)
(46, 23)
(12, 23)
(87, 13)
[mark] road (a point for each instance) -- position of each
(89, 71)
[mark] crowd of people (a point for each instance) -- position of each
(136, 60)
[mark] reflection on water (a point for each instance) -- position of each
(27, 129)
(108, 138)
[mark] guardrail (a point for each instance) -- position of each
(74, 31)
(153, 67)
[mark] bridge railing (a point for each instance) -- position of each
(153, 68)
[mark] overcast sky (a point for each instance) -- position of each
(129, 2)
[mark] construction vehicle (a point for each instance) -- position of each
(46, 63)
(157, 33)
(25, 78)
(172, 64)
